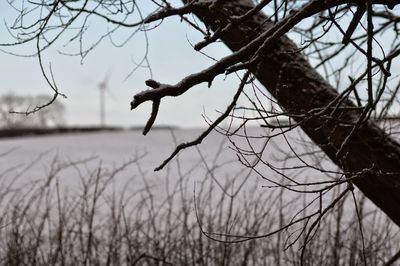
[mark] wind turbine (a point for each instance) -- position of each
(103, 88)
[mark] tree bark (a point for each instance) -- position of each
(371, 155)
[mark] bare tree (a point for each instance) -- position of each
(349, 44)
(11, 104)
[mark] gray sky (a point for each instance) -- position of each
(171, 58)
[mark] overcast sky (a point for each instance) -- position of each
(171, 57)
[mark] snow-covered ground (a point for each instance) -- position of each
(73, 158)
(28, 159)
(115, 148)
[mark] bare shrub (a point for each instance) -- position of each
(213, 222)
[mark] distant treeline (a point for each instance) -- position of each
(28, 131)
(18, 111)
(18, 132)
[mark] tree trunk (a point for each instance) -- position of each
(370, 154)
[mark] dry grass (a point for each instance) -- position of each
(100, 222)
